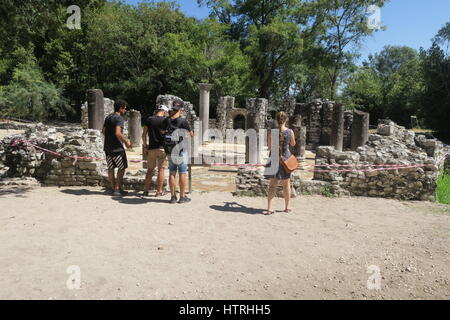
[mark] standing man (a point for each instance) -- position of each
(115, 152)
(178, 158)
(156, 156)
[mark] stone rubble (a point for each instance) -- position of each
(392, 145)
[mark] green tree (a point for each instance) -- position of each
(389, 85)
(343, 28)
(269, 34)
(28, 95)
(436, 75)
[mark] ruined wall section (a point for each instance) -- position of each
(392, 145)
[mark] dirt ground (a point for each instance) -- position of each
(219, 247)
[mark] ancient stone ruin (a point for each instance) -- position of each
(392, 163)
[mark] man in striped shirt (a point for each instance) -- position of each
(114, 141)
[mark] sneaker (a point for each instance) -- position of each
(173, 199)
(117, 193)
(145, 194)
(123, 193)
(184, 200)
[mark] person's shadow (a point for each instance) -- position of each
(236, 207)
(131, 198)
(84, 192)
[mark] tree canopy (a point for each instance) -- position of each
(246, 48)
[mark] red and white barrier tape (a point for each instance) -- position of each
(385, 167)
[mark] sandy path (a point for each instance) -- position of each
(147, 249)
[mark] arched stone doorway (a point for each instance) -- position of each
(239, 122)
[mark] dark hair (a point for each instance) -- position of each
(119, 104)
(281, 117)
(177, 106)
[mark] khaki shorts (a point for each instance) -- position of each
(156, 158)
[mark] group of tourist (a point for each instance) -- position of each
(158, 146)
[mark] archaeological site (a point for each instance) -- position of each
(338, 152)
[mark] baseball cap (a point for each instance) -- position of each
(163, 108)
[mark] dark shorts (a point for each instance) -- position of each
(117, 160)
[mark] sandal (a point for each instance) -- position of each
(269, 212)
(161, 194)
(288, 210)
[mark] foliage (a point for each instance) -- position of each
(247, 48)
(436, 76)
(389, 85)
(443, 188)
(28, 95)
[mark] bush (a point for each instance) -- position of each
(443, 188)
(28, 95)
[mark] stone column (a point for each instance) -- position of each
(250, 155)
(337, 127)
(301, 140)
(300, 137)
(360, 129)
(135, 128)
(96, 113)
(204, 107)
(226, 104)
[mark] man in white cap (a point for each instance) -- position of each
(156, 156)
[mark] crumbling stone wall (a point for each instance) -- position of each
(348, 122)
(252, 182)
(51, 170)
(254, 113)
(19, 163)
(317, 117)
(393, 145)
(189, 112)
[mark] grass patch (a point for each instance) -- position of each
(443, 188)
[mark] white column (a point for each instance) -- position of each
(204, 107)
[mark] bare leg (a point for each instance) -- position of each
(112, 179)
(287, 193)
(172, 183)
(160, 180)
(120, 174)
(182, 185)
(148, 179)
(271, 193)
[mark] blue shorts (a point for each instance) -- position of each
(179, 164)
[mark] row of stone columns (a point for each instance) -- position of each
(360, 128)
(359, 134)
(96, 117)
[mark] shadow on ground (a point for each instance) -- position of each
(131, 198)
(16, 191)
(236, 207)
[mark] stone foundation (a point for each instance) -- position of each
(252, 183)
(393, 145)
(32, 166)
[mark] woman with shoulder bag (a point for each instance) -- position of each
(287, 163)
